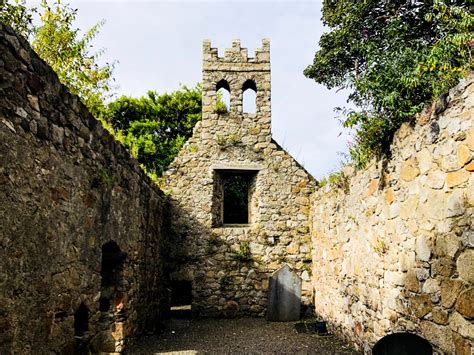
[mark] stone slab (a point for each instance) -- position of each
(284, 296)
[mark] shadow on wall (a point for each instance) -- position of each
(211, 288)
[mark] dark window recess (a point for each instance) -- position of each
(181, 293)
(236, 198)
(81, 321)
(232, 198)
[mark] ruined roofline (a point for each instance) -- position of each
(236, 54)
(279, 147)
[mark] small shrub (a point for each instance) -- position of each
(220, 140)
(380, 247)
(339, 180)
(224, 282)
(234, 139)
(212, 242)
(220, 108)
(193, 148)
(105, 178)
(243, 254)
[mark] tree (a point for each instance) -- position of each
(18, 16)
(59, 43)
(395, 56)
(155, 127)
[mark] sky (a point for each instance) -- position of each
(158, 46)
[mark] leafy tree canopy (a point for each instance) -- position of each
(58, 42)
(395, 56)
(154, 127)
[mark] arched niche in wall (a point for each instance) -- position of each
(111, 283)
(402, 343)
(249, 96)
(223, 97)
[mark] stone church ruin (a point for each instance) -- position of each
(240, 203)
(92, 253)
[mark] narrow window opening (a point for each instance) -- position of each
(232, 198)
(249, 104)
(111, 283)
(181, 298)
(81, 329)
(402, 343)
(223, 97)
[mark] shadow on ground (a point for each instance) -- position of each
(236, 336)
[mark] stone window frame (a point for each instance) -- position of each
(218, 198)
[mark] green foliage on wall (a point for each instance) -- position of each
(395, 56)
(243, 254)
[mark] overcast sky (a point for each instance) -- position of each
(158, 46)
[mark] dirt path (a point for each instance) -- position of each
(236, 336)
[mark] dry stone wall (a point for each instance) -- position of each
(225, 280)
(81, 226)
(394, 252)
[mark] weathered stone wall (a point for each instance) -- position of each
(394, 252)
(66, 189)
(278, 230)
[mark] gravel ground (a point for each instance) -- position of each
(236, 336)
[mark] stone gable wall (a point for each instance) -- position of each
(279, 228)
(395, 252)
(66, 189)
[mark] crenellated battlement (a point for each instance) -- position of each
(236, 54)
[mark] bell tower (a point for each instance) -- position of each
(237, 72)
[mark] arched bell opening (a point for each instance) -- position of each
(223, 97)
(249, 97)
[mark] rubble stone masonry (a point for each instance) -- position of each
(81, 225)
(394, 252)
(225, 282)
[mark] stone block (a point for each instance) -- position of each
(420, 305)
(462, 346)
(463, 154)
(456, 178)
(409, 170)
(284, 296)
(465, 303)
(440, 316)
(430, 286)
(470, 167)
(436, 179)
(411, 282)
(423, 248)
(461, 325)
(442, 267)
(470, 137)
(465, 266)
(456, 204)
(450, 290)
(438, 335)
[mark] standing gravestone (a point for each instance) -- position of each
(284, 296)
